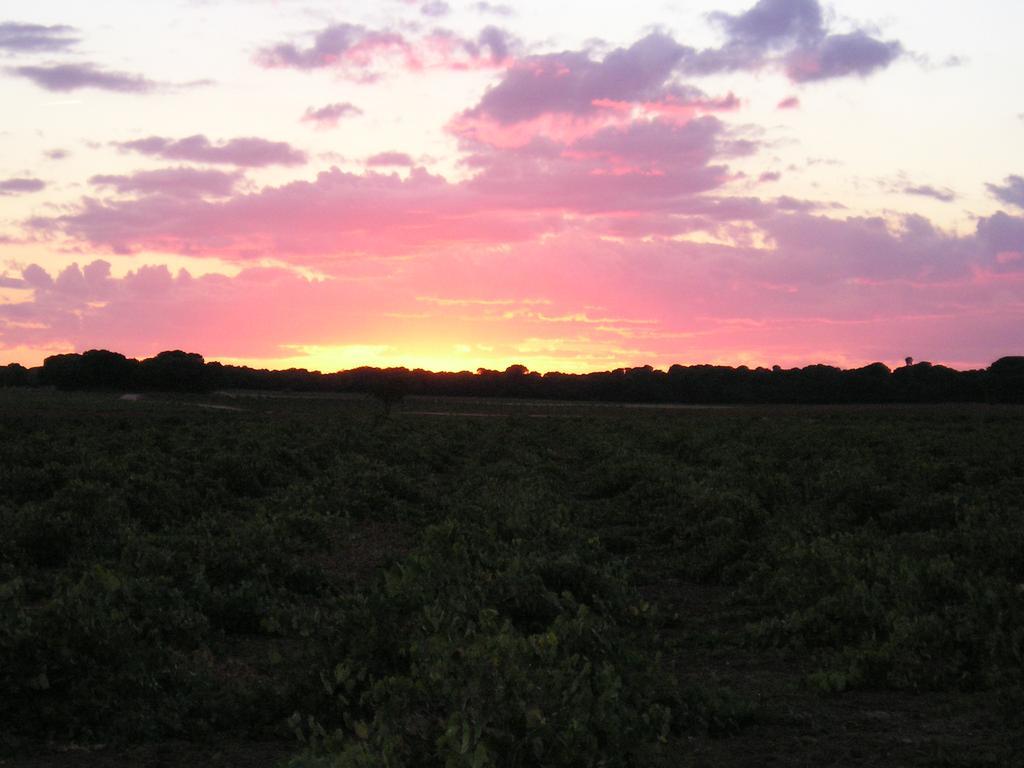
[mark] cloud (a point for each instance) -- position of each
(835, 56)
(656, 167)
(790, 102)
(772, 23)
(793, 34)
(571, 300)
(492, 43)
(36, 38)
(390, 159)
(945, 194)
(818, 249)
(72, 77)
(435, 8)
(1011, 191)
(178, 182)
(362, 53)
(262, 312)
(21, 186)
(335, 214)
(56, 154)
(498, 9)
(250, 152)
(331, 46)
(643, 168)
(1002, 234)
(567, 95)
(572, 82)
(330, 115)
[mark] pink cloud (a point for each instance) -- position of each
(515, 194)
(330, 115)
(178, 182)
(363, 53)
(248, 151)
(400, 159)
(573, 297)
(335, 214)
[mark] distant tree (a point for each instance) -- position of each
(1006, 380)
(95, 369)
(175, 371)
(102, 369)
(13, 375)
(870, 384)
(913, 382)
(389, 391)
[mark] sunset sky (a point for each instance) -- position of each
(574, 186)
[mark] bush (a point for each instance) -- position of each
(478, 651)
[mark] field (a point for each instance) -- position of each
(274, 580)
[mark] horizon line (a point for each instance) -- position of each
(526, 370)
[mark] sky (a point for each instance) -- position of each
(452, 184)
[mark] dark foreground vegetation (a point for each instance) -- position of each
(278, 580)
(1001, 382)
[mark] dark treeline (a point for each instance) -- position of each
(178, 371)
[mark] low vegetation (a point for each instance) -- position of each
(506, 590)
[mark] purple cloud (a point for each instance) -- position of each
(249, 152)
(1010, 192)
(571, 82)
(1002, 233)
(390, 159)
(56, 154)
(771, 23)
(72, 77)
(21, 186)
(435, 8)
(945, 195)
(842, 55)
(329, 116)
(356, 50)
(35, 38)
(819, 249)
(330, 47)
(179, 182)
(795, 34)
(497, 42)
(662, 144)
(498, 9)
